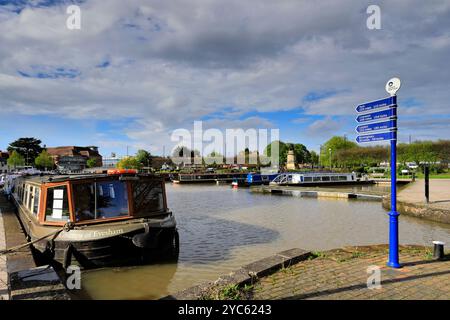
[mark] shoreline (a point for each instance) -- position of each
(408, 201)
(42, 282)
(335, 274)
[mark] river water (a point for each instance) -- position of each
(222, 229)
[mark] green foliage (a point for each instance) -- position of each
(234, 292)
(332, 148)
(357, 157)
(346, 154)
(314, 158)
(29, 148)
(144, 157)
(44, 160)
(15, 159)
(302, 154)
(91, 163)
(129, 163)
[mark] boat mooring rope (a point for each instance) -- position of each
(67, 227)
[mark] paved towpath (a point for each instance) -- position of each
(342, 274)
(3, 269)
(439, 193)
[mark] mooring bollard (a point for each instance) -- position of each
(438, 252)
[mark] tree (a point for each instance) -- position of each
(314, 158)
(91, 163)
(44, 160)
(302, 154)
(29, 148)
(129, 163)
(332, 147)
(15, 159)
(282, 151)
(213, 158)
(144, 157)
(181, 151)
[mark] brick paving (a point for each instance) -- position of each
(342, 275)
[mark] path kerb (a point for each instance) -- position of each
(246, 274)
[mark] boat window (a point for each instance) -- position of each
(148, 196)
(100, 200)
(36, 201)
(30, 197)
(25, 194)
(308, 179)
(343, 178)
(57, 204)
(317, 179)
(325, 178)
(334, 178)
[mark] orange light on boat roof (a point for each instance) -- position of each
(121, 171)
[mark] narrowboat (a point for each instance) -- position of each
(207, 177)
(97, 220)
(253, 179)
(318, 179)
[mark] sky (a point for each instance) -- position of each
(138, 70)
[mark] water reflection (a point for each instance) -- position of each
(205, 239)
(222, 229)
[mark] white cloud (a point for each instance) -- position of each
(172, 62)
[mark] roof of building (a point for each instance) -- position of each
(74, 151)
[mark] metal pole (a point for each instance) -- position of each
(427, 182)
(330, 158)
(393, 214)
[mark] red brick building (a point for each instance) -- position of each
(65, 154)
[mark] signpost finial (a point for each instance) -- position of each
(393, 85)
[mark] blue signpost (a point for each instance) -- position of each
(389, 125)
(379, 115)
(385, 125)
(376, 137)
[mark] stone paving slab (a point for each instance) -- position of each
(342, 274)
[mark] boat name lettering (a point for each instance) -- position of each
(108, 232)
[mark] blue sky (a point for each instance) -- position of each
(138, 70)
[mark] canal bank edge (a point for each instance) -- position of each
(20, 278)
(4, 291)
(340, 274)
(419, 210)
(290, 191)
(245, 275)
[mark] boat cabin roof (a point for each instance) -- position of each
(38, 179)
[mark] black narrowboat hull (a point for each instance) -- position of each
(119, 250)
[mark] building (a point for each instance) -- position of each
(75, 158)
(112, 161)
(3, 161)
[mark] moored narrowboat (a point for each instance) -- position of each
(319, 179)
(97, 220)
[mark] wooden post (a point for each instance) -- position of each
(427, 183)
